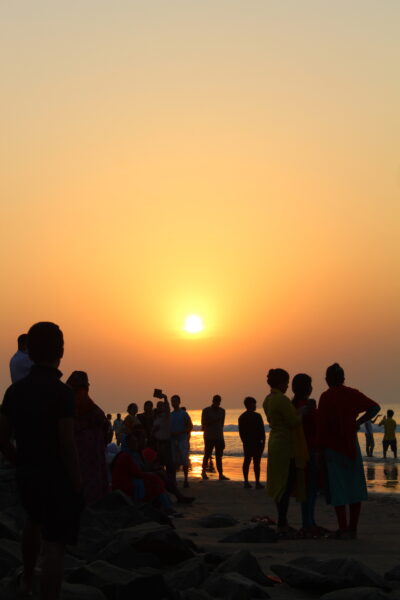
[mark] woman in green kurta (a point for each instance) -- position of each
(287, 449)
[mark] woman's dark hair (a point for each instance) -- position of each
(334, 375)
(45, 342)
(301, 383)
(277, 377)
(78, 380)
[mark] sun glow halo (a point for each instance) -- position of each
(193, 324)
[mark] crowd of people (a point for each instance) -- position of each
(62, 445)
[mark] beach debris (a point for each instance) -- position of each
(218, 520)
(246, 564)
(191, 573)
(160, 540)
(234, 586)
(117, 584)
(253, 534)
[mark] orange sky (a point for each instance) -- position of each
(238, 160)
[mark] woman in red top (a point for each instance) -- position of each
(337, 426)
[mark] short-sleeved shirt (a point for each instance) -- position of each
(179, 422)
(212, 421)
(34, 405)
(251, 428)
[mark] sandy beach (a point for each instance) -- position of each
(377, 545)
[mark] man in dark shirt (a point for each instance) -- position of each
(147, 419)
(252, 434)
(39, 410)
(212, 423)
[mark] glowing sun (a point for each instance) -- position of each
(193, 324)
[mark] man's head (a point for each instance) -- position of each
(301, 385)
(250, 403)
(132, 409)
(45, 344)
(109, 416)
(390, 413)
(334, 375)
(22, 342)
(118, 415)
(175, 401)
(148, 406)
(216, 401)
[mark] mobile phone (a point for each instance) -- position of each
(157, 393)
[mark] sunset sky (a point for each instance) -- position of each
(236, 160)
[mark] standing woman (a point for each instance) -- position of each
(337, 425)
(90, 428)
(287, 450)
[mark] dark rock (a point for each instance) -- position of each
(152, 514)
(8, 527)
(218, 520)
(190, 573)
(258, 534)
(194, 594)
(117, 584)
(305, 579)
(214, 558)
(114, 501)
(246, 564)
(70, 591)
(10, 556)
(359, 593)
(393, 574)
(338, 573)
(160, 540)
(233, 586)
(91, 540)
(353, 570)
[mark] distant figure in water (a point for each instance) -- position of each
(212, 423)
(91, 432)
(337, 425)
(287, 450)
(302, 389)
(252, 434)
(117, 428)
(369, 436)
(389, 439)
(20, 363)
(110, 431)
(40, 410)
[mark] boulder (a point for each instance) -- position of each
(70, 591)
(194, 594)
(190, 573)
(217, 520)
(118, 584)
(233, 586)
(393, 574)
(10, 556)
(8, 527)
(254, 534)
(114, 501)
(359, 593)
(246, 564)
(214, 558)
(353, 570)
(159, 540)
(305, 579)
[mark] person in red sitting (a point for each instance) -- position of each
(128, 476)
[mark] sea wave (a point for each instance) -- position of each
(234, 428)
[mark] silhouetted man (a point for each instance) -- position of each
(39, 409)
(181, 426)
(20, 363)
(212, 423)
(117, 428)
(147, 419)
(252, 434)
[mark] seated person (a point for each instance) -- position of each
(128, 476)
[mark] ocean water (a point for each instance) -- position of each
(381, 474)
